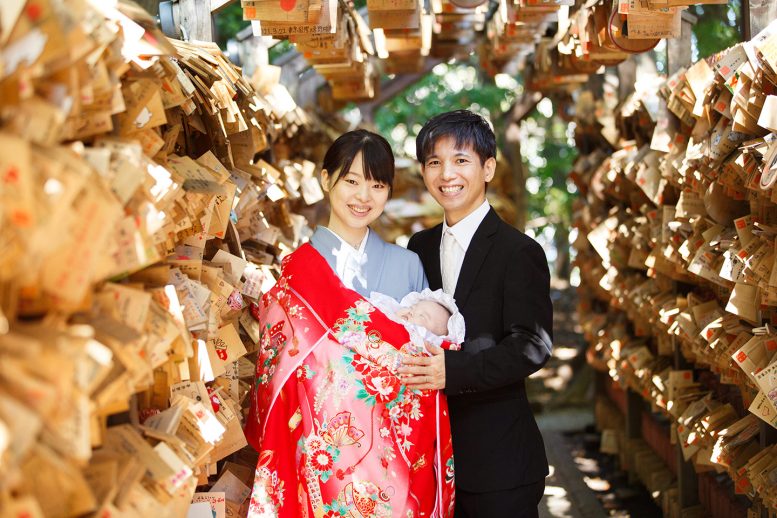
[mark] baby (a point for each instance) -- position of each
(429, 317)
(429, 314)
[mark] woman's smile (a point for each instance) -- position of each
(359, 210)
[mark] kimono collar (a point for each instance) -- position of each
(357, 269)
(345, 244)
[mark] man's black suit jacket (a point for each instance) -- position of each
(503, 291)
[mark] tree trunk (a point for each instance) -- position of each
(512, 152)
(561, 241)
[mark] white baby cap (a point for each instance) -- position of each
(456, 328)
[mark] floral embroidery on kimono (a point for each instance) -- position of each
(337, 432)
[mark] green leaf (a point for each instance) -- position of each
(366, 396)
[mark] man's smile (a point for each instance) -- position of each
(451, 189)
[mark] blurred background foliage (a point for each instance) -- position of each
(547, 148)
(447, 87)
(228, 23)
(718, 27)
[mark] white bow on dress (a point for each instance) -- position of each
(350, 265)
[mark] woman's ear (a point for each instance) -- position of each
(325, 180)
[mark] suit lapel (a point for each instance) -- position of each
(476, 254)
(431, 258)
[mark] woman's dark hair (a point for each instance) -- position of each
(466, 127)
(377, 157)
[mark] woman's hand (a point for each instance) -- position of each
(424, 372)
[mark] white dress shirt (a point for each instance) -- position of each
(350, 261)
(463, 231)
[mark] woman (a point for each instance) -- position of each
(337, 433)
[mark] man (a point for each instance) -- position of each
(500, 281)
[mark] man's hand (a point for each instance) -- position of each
(424, 372)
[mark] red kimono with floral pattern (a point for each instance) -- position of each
(336, 431)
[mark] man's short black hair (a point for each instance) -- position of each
(466, 127)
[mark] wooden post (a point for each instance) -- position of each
(633, 414)
(687, 481)
(196, 19)
(768, 436)
(679, 359)
(678, 51)
(190, 19)
(627, 76)
(633, 425)
(756, 15)
(678, 55)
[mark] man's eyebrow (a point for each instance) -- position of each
(457, 152)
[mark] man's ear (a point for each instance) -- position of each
(490, 167)
(325, 180)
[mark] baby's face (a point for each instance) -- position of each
(428, 314)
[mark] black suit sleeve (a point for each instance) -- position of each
(528, 327)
